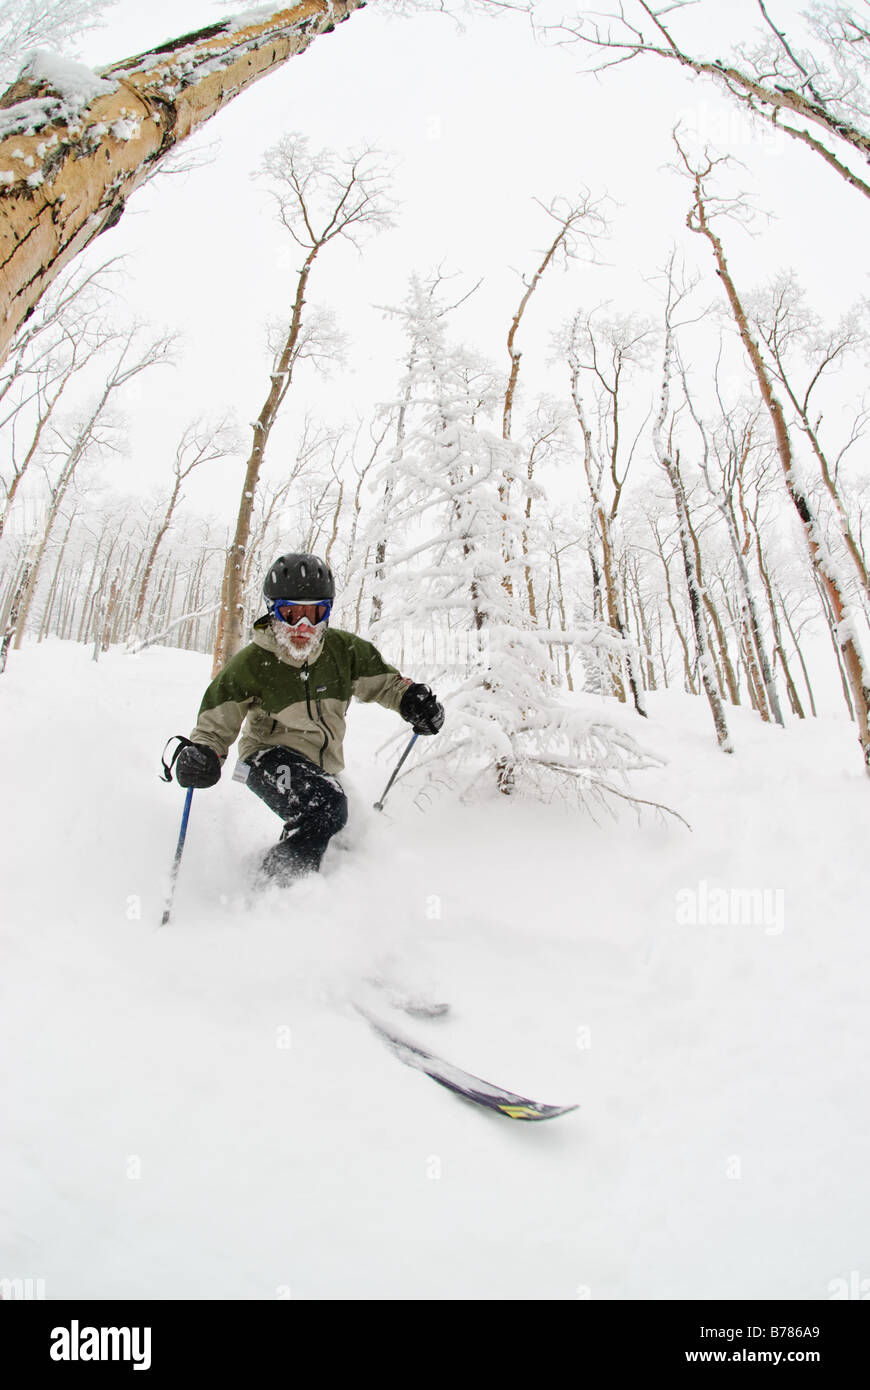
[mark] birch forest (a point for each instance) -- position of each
(679, 499)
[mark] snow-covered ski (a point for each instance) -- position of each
(463, 1083)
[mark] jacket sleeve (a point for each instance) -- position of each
(224, 706)
(374, 679)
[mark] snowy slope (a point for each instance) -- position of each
(197, 1111)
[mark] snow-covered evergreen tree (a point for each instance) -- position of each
(454, 581)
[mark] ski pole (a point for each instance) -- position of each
(173, 875)
(166, 776)
(379, 805)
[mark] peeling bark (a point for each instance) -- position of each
(67, 172)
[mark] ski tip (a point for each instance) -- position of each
(462, 1083)
(534, 1111)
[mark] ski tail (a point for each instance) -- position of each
(411, 1002)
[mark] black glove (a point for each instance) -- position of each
(197, 766)
(422, 711)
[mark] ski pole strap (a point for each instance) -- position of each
(182, 742)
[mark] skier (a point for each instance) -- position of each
(292, 686)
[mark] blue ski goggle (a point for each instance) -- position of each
(288, 610)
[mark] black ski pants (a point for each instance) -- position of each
(310, 802)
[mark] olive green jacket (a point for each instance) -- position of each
(299, 707)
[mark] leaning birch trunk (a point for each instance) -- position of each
(149, 565)
(71, 162)
(842, 625)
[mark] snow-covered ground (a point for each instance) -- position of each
(197, 1111)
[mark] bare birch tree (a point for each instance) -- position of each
(603, 353)
(320, 197)
(669, 458)
(784, 324)
(730, 453)
(578, 224)
(91, 432)
(822, 561)
(200, 443)
(271, 501)
(814, 90)
(55, 346)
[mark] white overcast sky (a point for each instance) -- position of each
(483, 122)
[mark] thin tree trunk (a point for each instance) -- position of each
(560, 598)
(152, 554)
(791, 688)
(232, 604)
(687, 666)
(730, 678)
(14, 612)
(829, 619)
(43, 630)
(756, 689)
(765, 670)
(714, 616)
(830, 483)
(672, 468)
(800, 656)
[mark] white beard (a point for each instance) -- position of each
(297, 653)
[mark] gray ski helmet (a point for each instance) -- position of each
(299, 577)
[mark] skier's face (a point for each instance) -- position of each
(298, 625)
(300, 641)
(302, 634)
